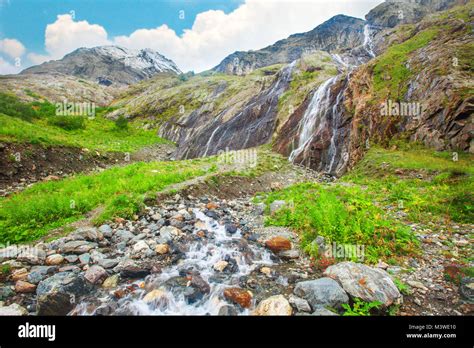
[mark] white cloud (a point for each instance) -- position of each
(65, 35)
(253, 25)
(214, 34)
(12, 47)
(7, 68)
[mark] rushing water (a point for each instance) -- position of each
(368, 44)
(201, 257)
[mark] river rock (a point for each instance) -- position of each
(227, 310)
(38, 273)
(24, 287)
(13, 310)
(168, 233)
(321, 311)
(219, 266)
(122, 236)
(278, 243)
(78, 247)
(71, 258)
(66, 282)
(239, 296)
(321, 292)
(88, 233)
(289, 254)
(85, 258)
(9, 252)
(19, 274)
(129, 269)
(140, 247)
(364, 282)
(274, 305)
(54, 259)
(299, 303)
(106, 231)
(55, 303)
(157, 296)
(162, 249)
(5, 292)
(108, 263)
(95, 274)
(33, 256)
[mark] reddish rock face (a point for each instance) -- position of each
(239, 296)
(277, 244)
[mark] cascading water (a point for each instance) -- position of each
(316, 110)
(368, 44)
(172, 297)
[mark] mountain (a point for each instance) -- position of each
(109, 65)
(338, 33)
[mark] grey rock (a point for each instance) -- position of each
(108, 263)
(228, 310)
(71, 258)
(5, 292)
(122, 236)
(276, 205)
(13, 310)
(289, 254)
(95, 274)
(321, 311)
(55, 303)
(88, 233)
(38, 273)
(66, 282)
(466, 289)
(106, 230)
(364, 282)
(321, 292)
(78, 247)
(300, 304)
(85, 258)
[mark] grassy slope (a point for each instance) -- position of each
(120, 191)
(31, 123)
(354, 211)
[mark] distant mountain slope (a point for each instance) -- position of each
(338, 33)
(109, 65)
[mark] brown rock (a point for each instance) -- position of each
(162, 249)
(55, 259)
(239, 296)
(211, 206)
(278, 243)
(19, 274)
(24, 287)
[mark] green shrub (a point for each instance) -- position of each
(121, 123)
(68, 122)
(360, 308)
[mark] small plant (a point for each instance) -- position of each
(121, 123)
(360, 308)
(402, 287)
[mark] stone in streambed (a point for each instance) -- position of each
(321, 292)
(239, 296)
(278, 244)
(274, 305)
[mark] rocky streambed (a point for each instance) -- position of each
(187, 256)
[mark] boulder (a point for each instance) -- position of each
(55, 303)
(24, 287)
(278, 244)
(33, 256)
(274, 305)
(321, 311)
(239, 296)
(299, 303)
(321, 292)
(78, 247)
(364, 282)
(66, 282)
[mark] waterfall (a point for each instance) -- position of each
(368, 44)
(316, 110)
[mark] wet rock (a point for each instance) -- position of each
(156, 296)
(78, 247)
(274, 305)
(267, 271)
(230, 228)
(220, 265)
(13, 310)
(55, 303)
(321, 292)
(111, 282)
(54, 259)
(276, 205)
(321, 311)
(24, 287)
(211, 206)
(162, 249)
(228, 310)
(199, 283)
(212, 214)
(300, 304)
(95, 274)
(239, 296)
(168, 233)
(278, 244)
(129, 269)
(364, 282)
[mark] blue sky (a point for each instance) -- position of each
(26, 20)
(35, 31)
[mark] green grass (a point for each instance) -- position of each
(390, 71)
(341, 214)
(445, 189)
(120, 191)
(37, 123)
